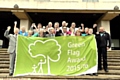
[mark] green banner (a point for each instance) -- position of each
(56, 56)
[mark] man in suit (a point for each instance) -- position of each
(12, 47)
(104, 43)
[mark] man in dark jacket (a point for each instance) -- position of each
(104, 43)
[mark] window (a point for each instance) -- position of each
(90, 0)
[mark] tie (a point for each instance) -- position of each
(101, 34)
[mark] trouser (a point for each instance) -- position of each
(12, 62)
(102, 51)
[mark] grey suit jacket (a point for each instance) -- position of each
(12, 41)
(51, 35)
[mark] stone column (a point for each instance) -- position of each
(25, 23)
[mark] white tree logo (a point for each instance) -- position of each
(40, 53)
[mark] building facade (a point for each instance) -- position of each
(104, 7)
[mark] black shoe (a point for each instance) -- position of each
(106, 70)
(95, 74)
(91, 74)
(10, 74)
(99, 69)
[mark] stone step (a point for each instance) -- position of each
(113, 57)
(110, 66)
(4, 59)
(4, 66)
(4, 56)
(109, 63)
(112, 51)
(113, 63)
(118, 52)
(4, 62)
(111, 72)
(108, 56)
(5, 70)
(113, 60)
(75, 77)
(4, 75)
(109, 59)
(3, 49)
(86, 77)
(113, 67)
(15, 79)
(4, 53)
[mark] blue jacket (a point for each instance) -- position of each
(24, 34)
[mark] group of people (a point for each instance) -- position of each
(102, 38)
(56, 30)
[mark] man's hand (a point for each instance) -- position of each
(94, 25)
(66, 24)
(37, 30)
(44, 30)
(32, 25)
(35, 26)
(43, 27)
(82, 24)
(97, 32)
(15, 22)
(8, 28)
(108, 48)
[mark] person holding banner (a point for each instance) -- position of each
(65, 32)
(51, 32)
(104, 44)
(41, 34)
(90, 31)
(64, 24)
(34, 27)
(58, 31)
(12, 47)
(30, 33)
(22, 31)
(50, 25)
(78, 33)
